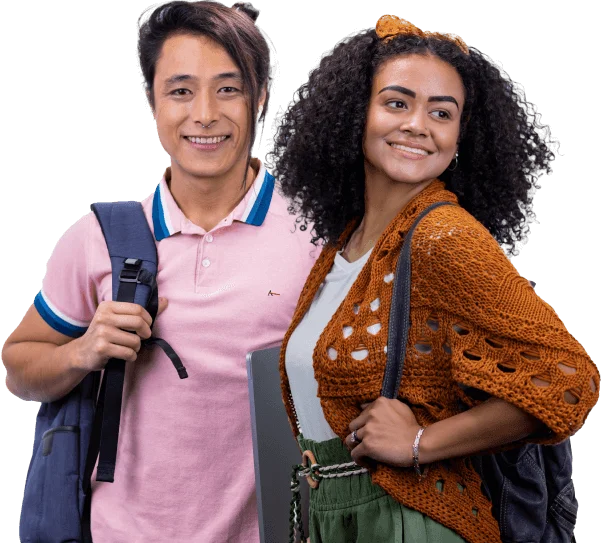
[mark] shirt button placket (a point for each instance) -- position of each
(206, 261)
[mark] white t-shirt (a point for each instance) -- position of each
(301, 345)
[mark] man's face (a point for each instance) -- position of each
(200, 107)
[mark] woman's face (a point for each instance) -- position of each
(413, 118)
(197, 83)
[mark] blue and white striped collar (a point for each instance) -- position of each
(252, 209)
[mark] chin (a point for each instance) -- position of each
(408, 178)
(195, 169)
(205, 173)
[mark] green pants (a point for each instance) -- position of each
(354, 510)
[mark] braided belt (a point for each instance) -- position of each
(314, 473)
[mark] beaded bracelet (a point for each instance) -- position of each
(415, 453)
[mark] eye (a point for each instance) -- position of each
(396, 104)
(228, 90)
(441, 114)
(180, 92)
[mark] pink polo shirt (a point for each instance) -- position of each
(184, 468)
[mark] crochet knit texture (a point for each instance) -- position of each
(475, 324)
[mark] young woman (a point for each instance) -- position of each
(394, 120)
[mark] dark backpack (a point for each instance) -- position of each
(532, 492)
(530, 487)
(71, 433)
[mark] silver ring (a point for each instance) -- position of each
(354, 437)
(207, 125)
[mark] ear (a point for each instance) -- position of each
(262, 97)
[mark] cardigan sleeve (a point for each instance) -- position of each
(504, 339)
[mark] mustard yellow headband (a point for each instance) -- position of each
(390, 26)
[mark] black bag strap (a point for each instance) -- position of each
(399, 315)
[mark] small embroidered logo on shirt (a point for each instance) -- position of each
(273, 293)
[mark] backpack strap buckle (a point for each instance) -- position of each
(131, 271)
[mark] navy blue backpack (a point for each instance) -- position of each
(75, 431)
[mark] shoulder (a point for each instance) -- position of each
(80, 234)
(82, 247)
(451, 221)
(68, 298)
(450, 232)
(458, 263)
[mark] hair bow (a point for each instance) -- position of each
(390, 26)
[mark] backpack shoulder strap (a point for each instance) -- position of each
(134, 265)
(132, 250)
(133, 255)
(399, 315)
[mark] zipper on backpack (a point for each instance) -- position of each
(48, 437)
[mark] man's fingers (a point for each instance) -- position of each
(127, 308)
(124, 339)
(122, 353)
(132, 323)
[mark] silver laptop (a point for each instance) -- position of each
(274, 447)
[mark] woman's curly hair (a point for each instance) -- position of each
(318, 156)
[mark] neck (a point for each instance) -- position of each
(383, 200)
(205, 201)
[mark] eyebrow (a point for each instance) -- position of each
(178, 78)
(411, 93)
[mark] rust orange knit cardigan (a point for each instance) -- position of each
(475, 322)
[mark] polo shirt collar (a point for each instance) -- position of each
(252, 209)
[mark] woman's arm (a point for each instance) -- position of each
(387, 429)
(502, 339)
(487, 426)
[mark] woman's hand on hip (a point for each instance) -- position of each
(386, 430)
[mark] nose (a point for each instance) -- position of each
(205, 109)
(415, 123)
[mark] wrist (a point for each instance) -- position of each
(427, 446)
(71, 355)
(417, 462)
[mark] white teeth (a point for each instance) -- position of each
(206, 141)
(409, 149)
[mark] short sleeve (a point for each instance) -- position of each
(504, 339)
(67, 301)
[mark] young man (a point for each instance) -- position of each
(231, 267)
